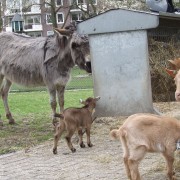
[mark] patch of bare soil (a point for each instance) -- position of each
(102, 161)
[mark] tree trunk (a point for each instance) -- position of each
(1, 22)
(53, 14)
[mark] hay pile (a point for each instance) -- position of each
(163, 86)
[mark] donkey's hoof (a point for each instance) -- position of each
(12, 121)
(73, 150)
(1, 123)
(55, 121)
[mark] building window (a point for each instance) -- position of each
(48, 19)
(50, 33)
(32, 20)
(36, 20)
(14, 10)
(94, 2)
(80, 2)
(76, 16)
(59, 2)
(60, 18)
(73, 2)
(34, 34)
(9, 21)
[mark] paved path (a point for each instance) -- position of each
(102, 161)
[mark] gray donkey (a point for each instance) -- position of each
(42, 61)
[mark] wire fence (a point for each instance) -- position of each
(164, 44)
(79, 80)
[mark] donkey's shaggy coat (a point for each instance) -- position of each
(43, 61)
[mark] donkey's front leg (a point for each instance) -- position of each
(4, 93)
(60, 95)
(1, 80)
(1, 122)
(53, 103)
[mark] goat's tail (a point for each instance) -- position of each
(121, 134)
(61, 116)
(117, 133)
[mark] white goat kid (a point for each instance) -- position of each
(142, 133)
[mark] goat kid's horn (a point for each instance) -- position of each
(63, 31)
(81, 101)
(97, 98)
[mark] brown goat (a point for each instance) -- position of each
(142, 133)
(74, 119)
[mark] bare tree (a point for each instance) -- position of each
(2, 9)
(1, 22)
(88, 8)
(104, 5)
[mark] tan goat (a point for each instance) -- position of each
(74, 119)
(175, 73)
(142, 133)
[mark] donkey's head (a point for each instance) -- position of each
(79, 47)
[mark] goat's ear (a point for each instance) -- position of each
(172, 73)
(97, 98)
(175, 64)
(172, 64)
(81, 101)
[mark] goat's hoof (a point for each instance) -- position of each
(82, 145)
(1, 123)
(55, 122)
(54, 150)
(90, 145)
(11, 121)
(73, 150)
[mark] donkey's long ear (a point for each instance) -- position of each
(172, 73)
(54, 45)
(64, 32)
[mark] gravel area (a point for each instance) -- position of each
(102, 161)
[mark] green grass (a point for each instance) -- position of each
(32, 113)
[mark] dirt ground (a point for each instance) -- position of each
(102, 161)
